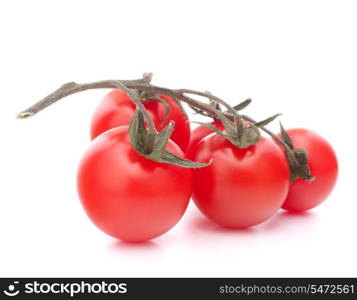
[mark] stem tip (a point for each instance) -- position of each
(24, 115)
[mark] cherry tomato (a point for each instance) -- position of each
(242, 187)
(303, 194)
(128, 196)
(117, 109)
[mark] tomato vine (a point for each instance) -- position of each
(150, 143)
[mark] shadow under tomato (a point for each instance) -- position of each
(147, 246)
(201, 223)
(281, 221)
(286, 220)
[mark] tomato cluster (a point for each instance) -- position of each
(133, 198)
(144, 163)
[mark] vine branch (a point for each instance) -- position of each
(142, 84)
(232, 121)
(71, 88)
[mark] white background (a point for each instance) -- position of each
(295, 57)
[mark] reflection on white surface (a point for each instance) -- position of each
(134, 248)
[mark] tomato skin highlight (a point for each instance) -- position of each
(128, 196)
(322, 161)
(242, 187)
(117, 109)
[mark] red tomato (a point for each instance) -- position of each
(322, 161)
(128, 196)
(117, 109)
(242, 187)
(200, 133)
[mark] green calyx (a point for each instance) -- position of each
(235, 130)
(297, 158)
(152, 145)
(146, 97)
(239, 131)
